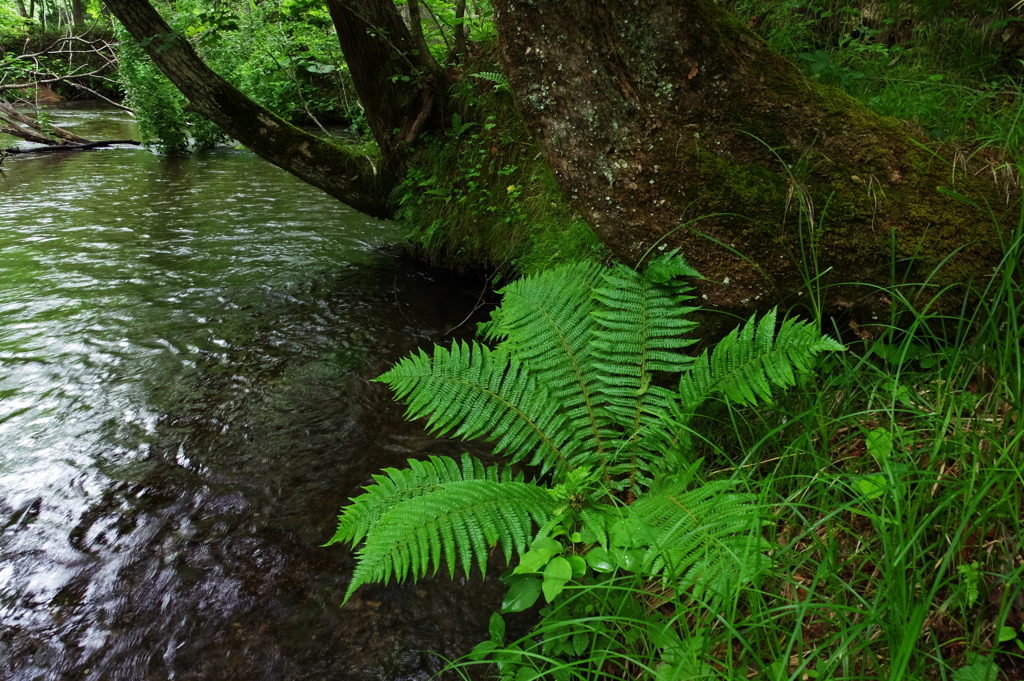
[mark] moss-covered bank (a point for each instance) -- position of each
(479, 194)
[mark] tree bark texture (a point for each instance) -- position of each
(349, 177)
(668, 124)
(395, 84)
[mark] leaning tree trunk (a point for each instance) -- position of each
(668, 124)
(352, 178)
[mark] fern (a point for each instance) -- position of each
(705, 534)
(640, 324)
(459, 126)
(499, 80)
(751, 359)
(575, 385)
(435, 513)
(396, 486)
(546, 322)
(474, 391)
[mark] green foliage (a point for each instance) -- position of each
(12, 24)
(433, 513)
(982, 669)
(158, 106)
(701, 532)
(752, 359)
(948, 66)
(576, 387)
(498, 79)
(285, 58)
(481, 193)
(474, 391)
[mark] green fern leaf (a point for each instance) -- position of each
(457, 523)
(545, 322)
(493, 76)
(395, 486)
(640, 324)
(707, 536)
(459, 126)
(751, 359)
(473, 391)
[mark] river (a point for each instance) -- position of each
(186, 348)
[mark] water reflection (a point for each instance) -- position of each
(185, 352)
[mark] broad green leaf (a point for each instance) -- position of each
(521, 595)
(580, 642)
(546, 544)
(533, 561)
(541, 551)
(557, 573)
(579, 565)
(628, 559)
(481, 649)
(497, 628)
(879, 443)
(982, 669)
(871, 486)
(631, 532)
(600, 560)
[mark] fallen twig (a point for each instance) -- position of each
(68, 147)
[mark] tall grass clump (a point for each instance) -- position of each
(895, 488)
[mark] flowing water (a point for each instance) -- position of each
(186, 348)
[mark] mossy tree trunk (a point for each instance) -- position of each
(352, 178)
(669, 124)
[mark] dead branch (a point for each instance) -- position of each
(29, 129)
(36, 74)
(67, 147)
(23, 133)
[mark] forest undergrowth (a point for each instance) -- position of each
(890, 483)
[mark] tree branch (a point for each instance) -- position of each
(460, 33)
(427, 59)
(28, 128)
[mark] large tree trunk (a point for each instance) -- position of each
(354, 179)
(399, 87)
(77, 13)
(668, 124)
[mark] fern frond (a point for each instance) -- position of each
(706, 534)
(545, 322)
(498, 79)
(751, 359)
(473, 391)
(394, 486)
(456, 523)
(640, 324)
(459, 126)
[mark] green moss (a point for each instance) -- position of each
(481, 194)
